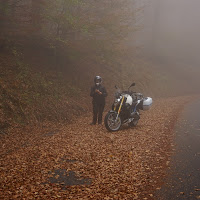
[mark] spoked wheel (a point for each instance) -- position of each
(111, 123)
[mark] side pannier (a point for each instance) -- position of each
(147, 103)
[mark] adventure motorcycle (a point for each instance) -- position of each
(125, 109)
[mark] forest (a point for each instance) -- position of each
(51, 51)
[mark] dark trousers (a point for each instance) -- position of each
(98, 109)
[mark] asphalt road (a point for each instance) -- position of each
(183, 181)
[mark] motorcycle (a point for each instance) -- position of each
(126, 109)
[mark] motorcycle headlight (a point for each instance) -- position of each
(116, 102)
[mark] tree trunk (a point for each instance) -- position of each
(36, 15)
(4, 18)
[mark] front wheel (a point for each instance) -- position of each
(112, 123)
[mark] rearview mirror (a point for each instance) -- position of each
(133, 84)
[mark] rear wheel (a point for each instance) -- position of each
(112, 123)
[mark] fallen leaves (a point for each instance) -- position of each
(129, 164)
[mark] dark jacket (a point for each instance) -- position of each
(98, 98)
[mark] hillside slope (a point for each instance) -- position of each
(36, 85)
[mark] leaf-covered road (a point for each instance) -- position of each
(80, 161)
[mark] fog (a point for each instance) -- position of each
(171, 35)
(176, 28)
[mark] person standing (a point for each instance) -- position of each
(98, 92)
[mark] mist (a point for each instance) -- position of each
(171, 37)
